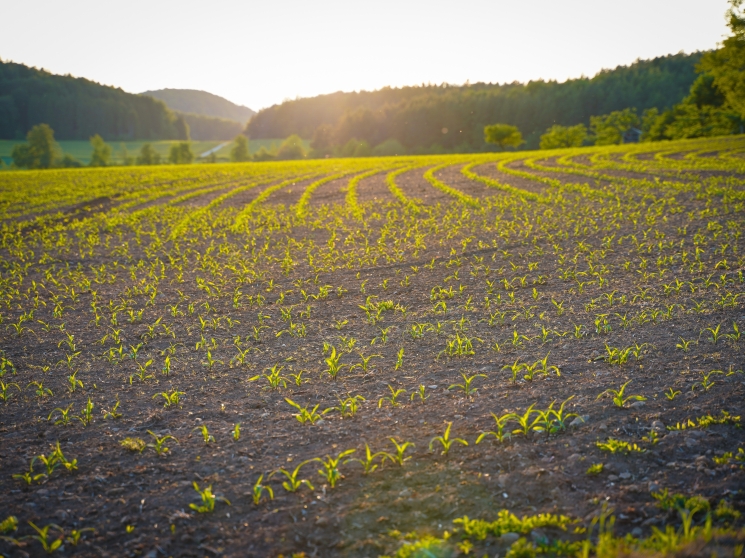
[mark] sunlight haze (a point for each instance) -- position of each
(259, 53)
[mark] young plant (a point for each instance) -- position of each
(159, 443)
(445, 441)
(400, 451)
(208, 500)
(169, 399)
(465, 387)
(618, 396)
(64, 418)
(499, 434)
(293, 482)
(259, 489)
(86, 415)
(347, 406)
(330, 467)
(304, 415)
(368, 463)
(333, 366)
(421, 393)
(393, 398)
(206, 436)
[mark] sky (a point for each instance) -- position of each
(261, 53)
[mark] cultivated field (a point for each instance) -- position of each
(521, 353)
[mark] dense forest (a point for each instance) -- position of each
(452, 118)
(202, 103)
(78, 109)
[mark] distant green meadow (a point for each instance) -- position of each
(81, 150)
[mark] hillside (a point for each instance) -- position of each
(202, 103)
(77, 108)
(452, 118)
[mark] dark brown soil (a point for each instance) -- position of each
(138, 502)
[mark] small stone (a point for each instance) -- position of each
(509, 538)
(613, 478)
(637, 404)
(658, 426)
(432, 387)
(538, 536)
(502, 480)
(574, 457)
(579, 421)
(690, 441)
(625, 475)
(602, 426)
(637, 532)
(322, 521)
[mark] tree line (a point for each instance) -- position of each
(41, 151)
(446, 118)
(78, 109)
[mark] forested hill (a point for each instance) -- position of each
(77, 108)
(453, 117)
(203, 103)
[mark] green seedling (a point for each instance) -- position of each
(169, 399)
(714, 333)
(465, 387)
(274, 378)
(237, 432)
(524, 421)
(595, 469)
(5, 393)
(112, 413)
(683, 345)
(206, 436)
(333, 366)
(330, 467)
(515, 369)
(347, 406)
(618, 396)
(73, 382)
(399, 358)
(304, 415)
(499, 434)
(421, 393)
(393, 398)
(208, 500)
(298, 378)
(445, 441)
(368, 463)
(40, 390)
(86, 415)
(400, 451)
(365, 362)
(64, 418)
(705, 382)
(30, 476)
(293, 483)
(42, 536)
(259, 489)
(671, 394)
(159, 443)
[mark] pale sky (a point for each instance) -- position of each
(260, 53)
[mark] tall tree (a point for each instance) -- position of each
(41, 151)
(727, 64)
(503, 135)
(240, 152)
(101, 152)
